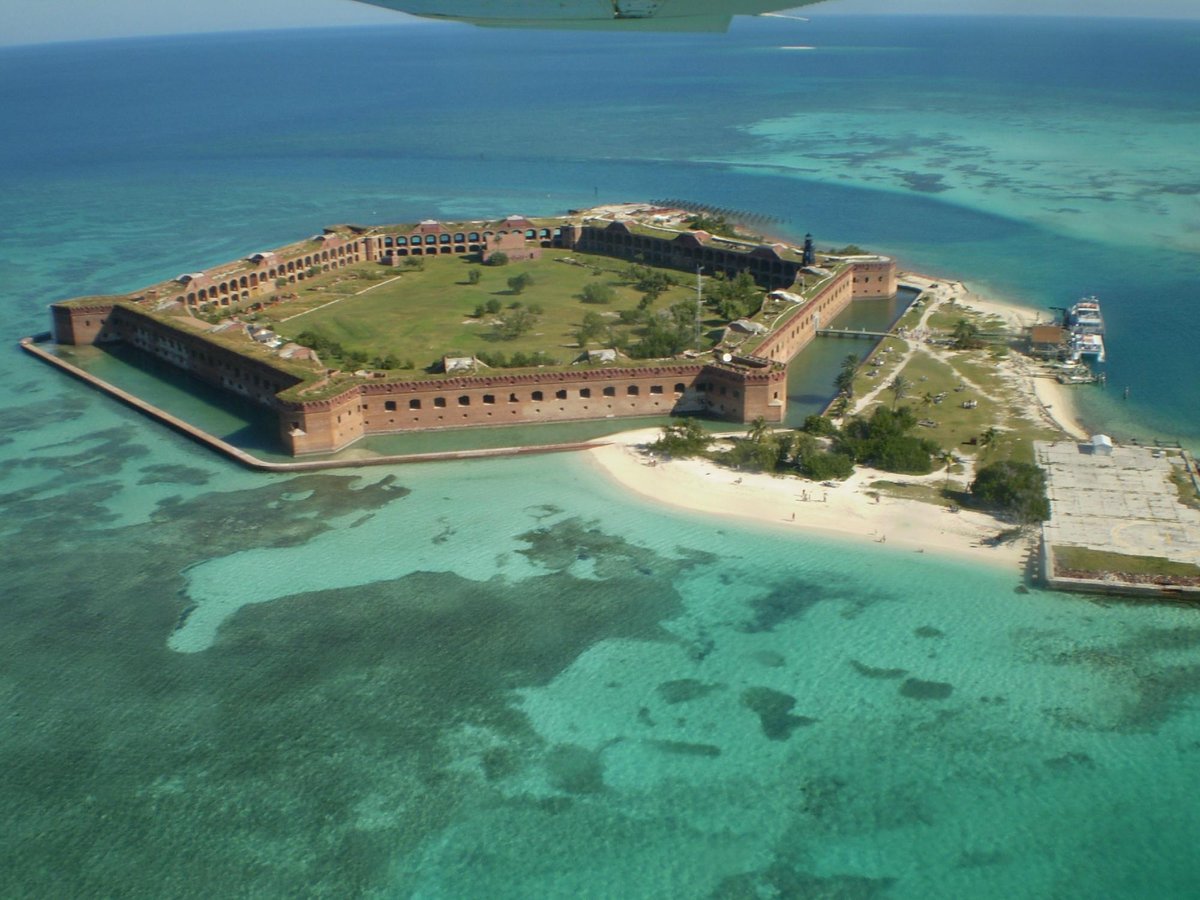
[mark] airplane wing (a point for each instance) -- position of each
(625, 15)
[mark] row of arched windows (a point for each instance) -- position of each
(239, 288)
(631, 390)
(460, 237)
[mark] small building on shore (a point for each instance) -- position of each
(1047, 341)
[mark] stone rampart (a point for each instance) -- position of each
(83, 324)
(328, 424)
(794, 333)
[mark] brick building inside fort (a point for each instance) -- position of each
(313, 420)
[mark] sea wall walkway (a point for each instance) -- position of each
(240, 456)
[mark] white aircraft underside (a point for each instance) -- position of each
(652, 15)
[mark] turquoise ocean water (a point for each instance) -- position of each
(508, 678)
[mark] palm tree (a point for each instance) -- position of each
(988, 438)
(899, 388)
(850, 362)
(966, 334)
(946, 458)
(759, 429)
(844, 383)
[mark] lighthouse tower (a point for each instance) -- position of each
(810, 252)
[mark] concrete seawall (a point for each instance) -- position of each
(30, 345)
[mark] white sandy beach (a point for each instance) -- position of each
(851, 509)
(845, 511)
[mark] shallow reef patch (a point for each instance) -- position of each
(774, 710)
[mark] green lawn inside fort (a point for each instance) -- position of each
(410, 316)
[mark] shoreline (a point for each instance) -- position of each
(852, 509)
(777, 502)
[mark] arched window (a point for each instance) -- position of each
(538, 396)
(632, 390)
(610, 392)
(414, 403)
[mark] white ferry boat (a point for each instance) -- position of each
(1084, 317)
(1087, 346)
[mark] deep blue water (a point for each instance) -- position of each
(508, 678)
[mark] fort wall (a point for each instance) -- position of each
(219, 366)
(874, 277)
(87, 324)
(794, 334)
(326, 425)
(263, 274)
(222, 367)
(771, 265)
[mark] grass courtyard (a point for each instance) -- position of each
(418, 315)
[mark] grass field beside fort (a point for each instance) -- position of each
(420, 315)
(956, 376)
